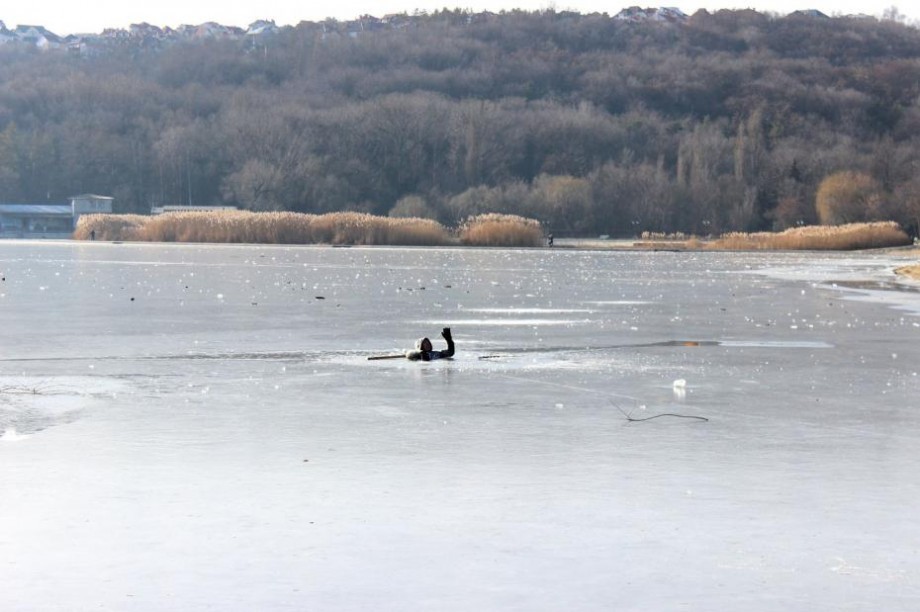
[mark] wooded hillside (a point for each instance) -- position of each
(734, 120)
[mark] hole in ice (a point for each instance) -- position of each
(530, 310)
(508, 322)
(774, 344)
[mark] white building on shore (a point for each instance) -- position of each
(49, 220)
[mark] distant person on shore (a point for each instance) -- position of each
(92, 234)
(549, 240)
(425, 352)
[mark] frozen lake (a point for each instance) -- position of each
(198, 428)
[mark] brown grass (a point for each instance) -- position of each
(298, 228)
(494, 229)
(912, 272)
(849, 237)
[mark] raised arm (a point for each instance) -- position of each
(445, 333)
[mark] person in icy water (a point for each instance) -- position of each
(424, 351)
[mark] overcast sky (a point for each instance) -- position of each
(68, 17)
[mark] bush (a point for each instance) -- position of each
(412, 206)
(847, 197)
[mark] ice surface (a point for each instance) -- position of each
(198, 427)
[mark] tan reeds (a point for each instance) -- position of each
(229, 227)
(299, 228)
(109, 227)
(415, 231)
(265, 228)
(494, 229)
(849, 237)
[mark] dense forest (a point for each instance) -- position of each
(734, 120)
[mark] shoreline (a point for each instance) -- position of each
(910, 271)
(584, 244)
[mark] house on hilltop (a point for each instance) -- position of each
(262, 27)
(261, 32)
(38, 36)
(144, 30)
(397, 21)
(813, 13)
(636, 14)
(6, 35)
(210, 29)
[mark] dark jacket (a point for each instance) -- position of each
(421, 355)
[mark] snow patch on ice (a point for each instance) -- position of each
(11, 435)
(30, 404)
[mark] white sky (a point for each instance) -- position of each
(67, 17)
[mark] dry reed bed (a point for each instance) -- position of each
(493, 229)
(850, 237)
(109, 227)
(482, 230)
(299, 228)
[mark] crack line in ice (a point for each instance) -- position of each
(632, 419)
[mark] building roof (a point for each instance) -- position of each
(37, 209)
(665, 13)
(89, 196)
(809, 13)
(159, 210)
